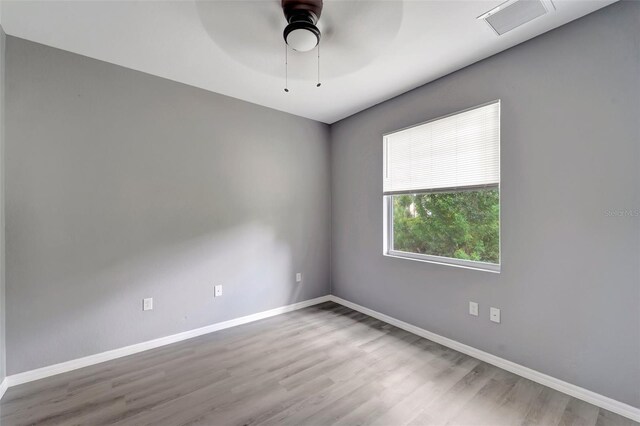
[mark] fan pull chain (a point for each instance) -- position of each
(319, 84)
(286, 68)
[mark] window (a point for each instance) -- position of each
(442, 190)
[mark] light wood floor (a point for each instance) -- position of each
(322, 365)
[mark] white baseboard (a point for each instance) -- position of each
(3, 387)
(596, 399)
(63, 367)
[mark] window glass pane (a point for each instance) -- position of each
(460, 225)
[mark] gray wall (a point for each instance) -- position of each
(570, 283)
(121, 185)
(2, 247)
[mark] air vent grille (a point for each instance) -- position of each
(511, 15)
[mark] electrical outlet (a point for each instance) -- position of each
(494, 315)
(217, 291)
(473, 309)
(299, 277)
(147, 304)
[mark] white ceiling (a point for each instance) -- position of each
(370, 52)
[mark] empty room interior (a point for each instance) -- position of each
(309, 213)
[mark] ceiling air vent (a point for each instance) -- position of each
(512, 14)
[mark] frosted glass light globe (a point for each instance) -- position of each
(302, 40)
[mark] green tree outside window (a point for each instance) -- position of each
(460, 225)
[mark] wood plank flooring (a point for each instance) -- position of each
(321, 365)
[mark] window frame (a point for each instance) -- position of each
(387, 249)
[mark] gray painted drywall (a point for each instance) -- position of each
(570, 283)
(121, 185)
(2, 247)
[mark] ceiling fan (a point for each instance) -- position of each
(350, 34)
(301, 33)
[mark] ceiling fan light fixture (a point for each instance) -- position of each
(301, 32)
(302, 36)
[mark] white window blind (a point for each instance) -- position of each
(456, 151)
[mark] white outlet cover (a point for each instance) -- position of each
(473, 309)
(299, 277)
(494, 315)
(217, 291)
(147, 304)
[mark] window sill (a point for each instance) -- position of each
(458, 263)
